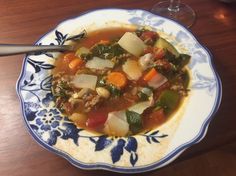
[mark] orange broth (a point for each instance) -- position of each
(150, 120)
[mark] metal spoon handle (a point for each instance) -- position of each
(10, 49)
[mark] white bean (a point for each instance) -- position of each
(103, 92)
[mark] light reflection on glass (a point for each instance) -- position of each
(222, 16)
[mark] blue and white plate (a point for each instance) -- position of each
(139, 153)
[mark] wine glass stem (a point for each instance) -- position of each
(174, 5)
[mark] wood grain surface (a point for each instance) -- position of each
(24, 21)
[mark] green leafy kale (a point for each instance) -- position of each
(114, 91)
(107, 51)
(179, 62)
(135, 121)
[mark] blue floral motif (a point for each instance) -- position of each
(30, 110)
(38, 65)
(46, 83)
(48, 99)
(48, 120)
(35, 85)
(132, 144)
(60, 38)
(53, 135)
(102, 142)
(146, 19)
(70, 132)
(129, 144)
(203, 82)
(198, 57)
(131, 147)
(118, 150)
(51, 122)
(182, 36)
(153, 137)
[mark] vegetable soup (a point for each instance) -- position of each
(120, 81)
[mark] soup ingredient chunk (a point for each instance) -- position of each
(117, 124)
(96, 120)
(117, 79)
(132, 69)
(85, 81)
(168, 100)
(103, 92)
(98, 63)
(75, 63)
(155, 79)
(132, 43)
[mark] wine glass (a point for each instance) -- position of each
(175, 10)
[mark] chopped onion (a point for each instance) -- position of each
(157, 81)
(132, 43)
(119, 114)
(132, 69)
(146, 61)
(85, 81)
(117, 124)
(98, 63)
(103, 92)
(140, 107)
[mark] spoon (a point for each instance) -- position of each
(12, 49)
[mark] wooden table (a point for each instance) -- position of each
(24, 21)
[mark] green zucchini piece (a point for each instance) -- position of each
(183, 60)
(164, 44)
(168, 100)
(186, 79)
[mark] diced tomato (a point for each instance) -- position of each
(159, 53)
(148, 49)
(149, 35)
(96, 119)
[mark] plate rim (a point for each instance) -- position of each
(155, 165)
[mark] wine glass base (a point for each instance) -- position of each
(184, 14)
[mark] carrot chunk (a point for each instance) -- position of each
(75, 63)
(117, 79)
(150, 75)
(69, 57)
